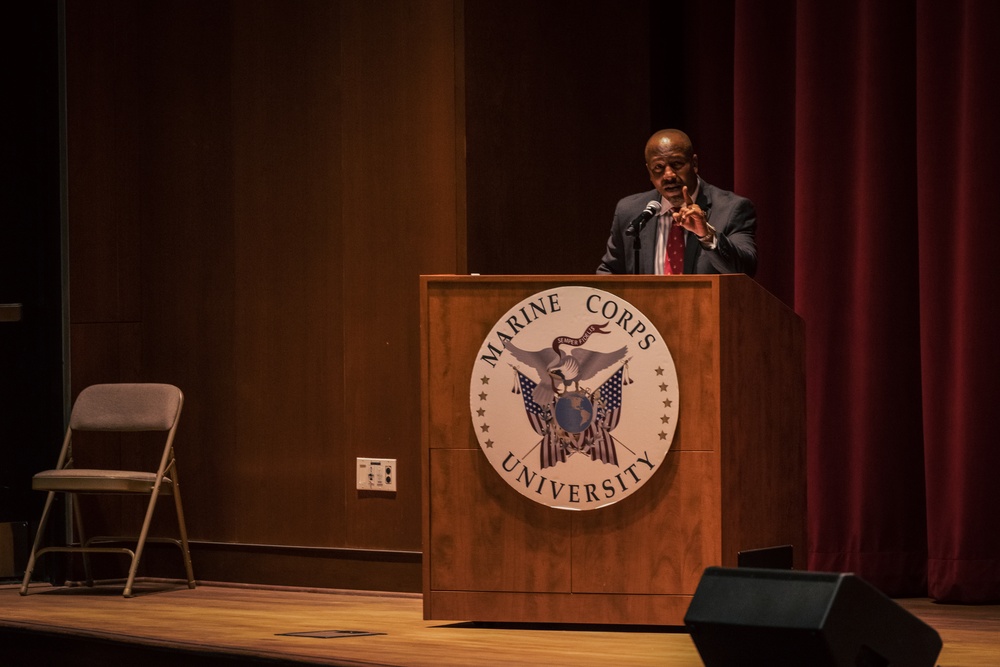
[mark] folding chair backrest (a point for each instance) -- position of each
(126, 407)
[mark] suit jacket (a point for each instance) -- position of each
(732, 216)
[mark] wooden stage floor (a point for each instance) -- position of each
(223, 625)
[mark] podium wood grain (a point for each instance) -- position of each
(733, 480)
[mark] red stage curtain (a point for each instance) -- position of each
(958, 155)
(866, 132)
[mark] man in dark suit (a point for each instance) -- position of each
(713, 229)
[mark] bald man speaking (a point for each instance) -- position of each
(684, 225)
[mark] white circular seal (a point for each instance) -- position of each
(574, 398)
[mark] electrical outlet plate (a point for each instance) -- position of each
(376, 474)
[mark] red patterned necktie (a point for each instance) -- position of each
(673, 263)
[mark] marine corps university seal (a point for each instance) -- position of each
(574, 398)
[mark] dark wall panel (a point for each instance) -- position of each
(187, 224)
(104, 99)
(260, 184)
(288, 341)
(400, 219)
(557, 115)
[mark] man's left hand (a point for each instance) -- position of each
(691, 217)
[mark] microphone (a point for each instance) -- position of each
(634, 227)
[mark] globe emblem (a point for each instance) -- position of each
(574, 412)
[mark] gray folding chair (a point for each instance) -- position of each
(116, 407)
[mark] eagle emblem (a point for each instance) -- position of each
(561, 408)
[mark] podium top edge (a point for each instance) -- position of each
(594, 279)
(719, 282)
(550, 277)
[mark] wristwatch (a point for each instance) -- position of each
(709, 241)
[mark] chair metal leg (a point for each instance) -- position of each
(38, 540)
(74, 500)
(182, 528)
(140, 544)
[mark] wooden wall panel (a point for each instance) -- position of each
(188, 246)
(287, 333)
(557, 116)
(105, 129)
(256, 187)
(400, 219)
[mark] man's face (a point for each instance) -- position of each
(670, 169)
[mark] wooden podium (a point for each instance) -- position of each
(733, 480)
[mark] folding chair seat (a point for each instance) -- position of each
(116, 408)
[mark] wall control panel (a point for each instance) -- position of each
(376, 474)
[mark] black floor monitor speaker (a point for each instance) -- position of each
(773, 558)
(747, 617)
